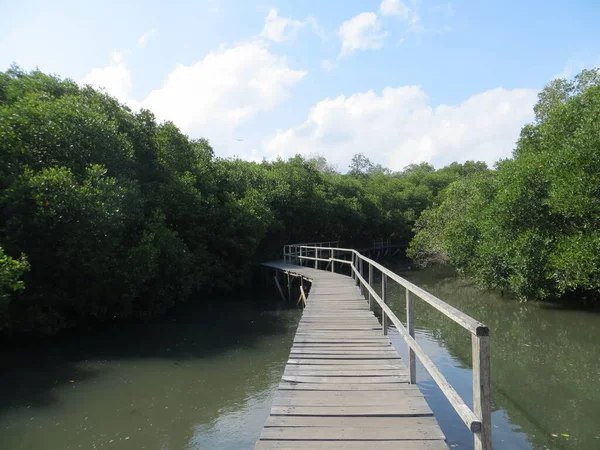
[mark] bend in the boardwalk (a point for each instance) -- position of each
(345, 385)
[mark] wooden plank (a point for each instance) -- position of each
(341, 380)
(410, 408)
(344, 361)
(334, 367)
(337, 326)
(337, 398)
(353, 445)
(345, 372)
(293, 386)
(340, 352)
(339, 345)
(351, 433)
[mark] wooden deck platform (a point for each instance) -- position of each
(345, 385)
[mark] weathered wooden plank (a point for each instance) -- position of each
(345, 372)
(340, 352)
(354, 445)
(344, 361)
(410, 408)
(351, 433)
(337, 326)
(345, 367)
(341, 380)
(371, 387)
(357, 349)
(342, 398)
(337, 345)
(374, 422)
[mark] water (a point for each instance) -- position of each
(545, 364)
(201, 378)
(204, 376)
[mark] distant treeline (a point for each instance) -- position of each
(106, 214)
(532, 225)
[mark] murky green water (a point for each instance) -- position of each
(545, 365)
(204, 377)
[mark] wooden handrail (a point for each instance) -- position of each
(477, 420)
(467, 322)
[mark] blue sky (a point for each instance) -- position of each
(401, 81)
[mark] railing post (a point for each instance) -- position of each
(410, 324)
(352, 265)
(370, 284)
(301, 259)
(360, 270)
(316, 257)
(332, 261)
(481, 390)
(384, 317)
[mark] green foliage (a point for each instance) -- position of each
(11, 274)
(120, 216)
(532, 224)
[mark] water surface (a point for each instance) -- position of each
(204, 376)
(545, 364)
(201, 378)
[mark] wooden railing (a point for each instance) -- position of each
(478, 419)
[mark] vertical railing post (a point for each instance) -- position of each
(301, 259)
(316, 257)
(332, 261)
(371, 285)
(410, 324)
(481, 389)
(384, 317)
(352, 265)
(360, 270)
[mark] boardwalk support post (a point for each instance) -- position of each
(279, 287)
(481, 390)
(410, 324)
(384, 294)
(362, 274)
(332, 261)
(316, 258)
(370, 284)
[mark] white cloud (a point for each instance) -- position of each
(226, 88)
(399, 127)
(115, 78)
(327, 65)
(212, 96)
(278, 29)
(144, 38)
(400, 9)
(362, 32)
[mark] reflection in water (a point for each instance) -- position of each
(203, 377)
(545, 365)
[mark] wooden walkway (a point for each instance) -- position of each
(344, 385)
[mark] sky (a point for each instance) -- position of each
(400, 81)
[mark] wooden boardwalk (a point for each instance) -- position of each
(344, 385)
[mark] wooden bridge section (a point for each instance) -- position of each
(345, 385)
